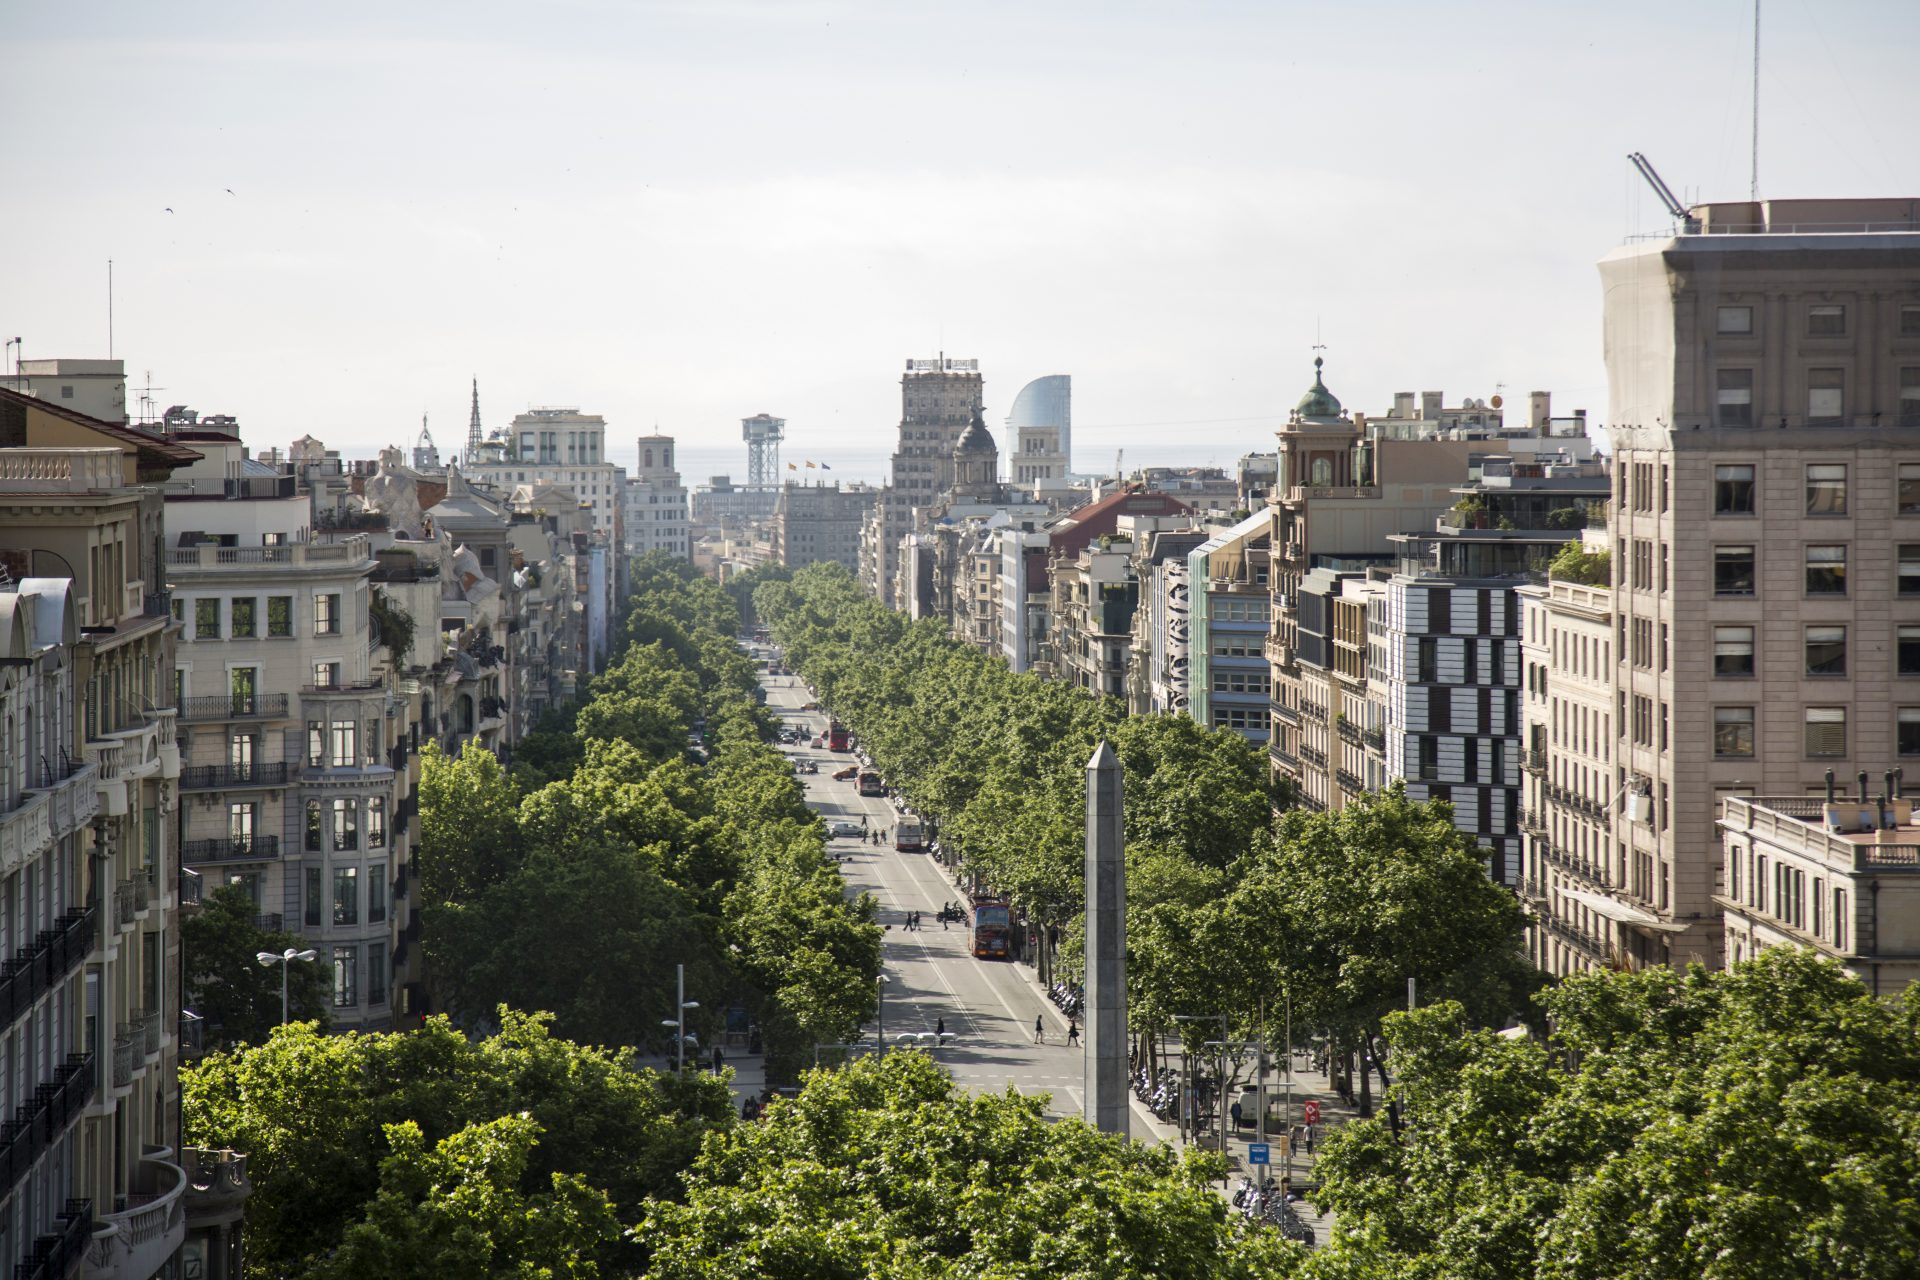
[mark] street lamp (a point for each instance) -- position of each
(679, 1019)
(880, 1008)
(268, 959)
(1220, 1102)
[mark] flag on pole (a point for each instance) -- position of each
(825, 467)
(811, 464)
(792, 467)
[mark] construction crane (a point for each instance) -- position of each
(1661, 189)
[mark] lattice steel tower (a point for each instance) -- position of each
(763, 433)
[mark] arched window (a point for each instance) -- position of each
(1322, 472)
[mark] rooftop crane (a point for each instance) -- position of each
(1661, 189)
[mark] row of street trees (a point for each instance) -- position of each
(1229, 912)
(617, 849)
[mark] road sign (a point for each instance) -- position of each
(1311, 1110)
(1257, 1153)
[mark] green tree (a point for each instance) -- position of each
(229, 987)
(457, 1211)
(469, 829)
(887, 1168)
(1757, 1122)
(1574, 563)
(313, 1112)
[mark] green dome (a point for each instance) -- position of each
(1318, 402)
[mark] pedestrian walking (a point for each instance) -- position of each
(1236, 1115)
(1310, 1129)
(1073, 1032)
(1039, 1031)
(940, 1027)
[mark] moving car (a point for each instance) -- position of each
(809, 706)
(841, 828)
(841, 775)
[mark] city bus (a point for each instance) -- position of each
(992, 928)
(870, 783)
(908, 835)
(837, 737)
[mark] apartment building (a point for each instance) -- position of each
(1229, 684)
(657, 502)
(1337, 748)
(558, 446)
(88, 851)
(289, 782)
(1094, 597)
(1159, 670)
(1838, 873)
(814, 522)
(1764, 372)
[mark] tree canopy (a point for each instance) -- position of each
(228, 986)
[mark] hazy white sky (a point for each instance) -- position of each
(683, 213)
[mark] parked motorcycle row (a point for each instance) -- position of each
(1265, 1204)
(1068, 996)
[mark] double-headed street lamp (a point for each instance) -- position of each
(268, 959)
(679, 1019)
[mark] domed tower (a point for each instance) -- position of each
(976, 460)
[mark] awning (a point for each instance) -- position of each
(1624, 913)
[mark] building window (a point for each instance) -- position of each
(1733, 490)
(279, 615)
(240, 825)
(1733, 651)
(1733, 571)
(1735, 320)
(313, 905)
(1907, 731)
(244, 620)
(1908, 646)
(377, 823)
(1826, 320)
(1826, 731)
(1733, 398)
(316, 743)
(326, 675)
(1908, 576)
(1827, 489)
(1840, 919)
(344, 734)
(1733, 731)
(206, 618)
(1826, 402)
(346, 827)
(1908, 492)
(346, 892)
(1826, 570)
(326, 614)
(1909, 398)
(345, 986)
(376, 895)
(1826, 649)
(376, 973)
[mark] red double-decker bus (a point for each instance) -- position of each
(992, 928)
(837, 737)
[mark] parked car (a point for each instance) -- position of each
(842, 828)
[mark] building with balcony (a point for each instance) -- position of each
(288, 789)
(939, 400)
(88, 847)
(1229, 683)
(1763, 370)
(657, 502)
(1839, 875)
(557, 446)
(1094, 597)
(1159, 668)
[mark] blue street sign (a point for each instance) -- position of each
(1257, 1153)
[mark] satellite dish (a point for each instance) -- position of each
(1496, 402)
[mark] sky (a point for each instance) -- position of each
(682, 213)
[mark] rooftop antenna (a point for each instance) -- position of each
(146, 398)
(1661, 189)
(109, 308)
(1753, 190)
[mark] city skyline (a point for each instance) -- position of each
(747, 207)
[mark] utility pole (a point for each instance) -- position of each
(679, 1019)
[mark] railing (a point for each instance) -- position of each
(1534, 762)
(64, 802)
(352, 548)
(1795, 822)
(157, 604)
(38, 968)
(192, 888)
(147, 1023)
(123, 1056)
(1374, 739)
(1349, 732)
(216, 777)
(40, 1123)
(231, 849)
(54, 1255)
(1285, 757)
(141, 1238)
(45, 470)
(215, 1179)
(239, 706)
(123, 905)
(1313, 756)
(142, 890)
(1314, 711)
(1349, 780)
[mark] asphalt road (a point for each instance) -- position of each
(989, 1005)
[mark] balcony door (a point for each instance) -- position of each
(240, 822)
(245, 681)
(241, 749)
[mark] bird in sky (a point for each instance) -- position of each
(229, 190)
(169, 210)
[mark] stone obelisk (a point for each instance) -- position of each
(1105, 1071)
